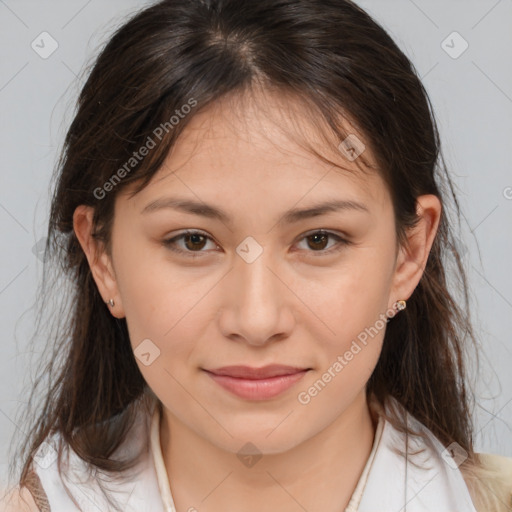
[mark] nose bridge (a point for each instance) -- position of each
(259, 308)
(252, 272)
(256, 279)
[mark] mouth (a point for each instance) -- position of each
(257, 383)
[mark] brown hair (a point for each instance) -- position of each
(335, 59)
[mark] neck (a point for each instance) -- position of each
(321, 473)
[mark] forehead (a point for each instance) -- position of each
(265, 141)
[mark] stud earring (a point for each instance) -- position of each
(400, 305)
(111, 303)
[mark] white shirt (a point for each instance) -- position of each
(163, 480)
(387, 483)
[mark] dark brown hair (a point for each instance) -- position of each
(331, 56)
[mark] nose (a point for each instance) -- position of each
(258, 305)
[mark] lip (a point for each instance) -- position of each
(257, 383)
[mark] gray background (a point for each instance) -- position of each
(471, 94)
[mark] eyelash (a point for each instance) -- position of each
(169, 243)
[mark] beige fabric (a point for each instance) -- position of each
(35, 488)
(497, 485)
(353, 504)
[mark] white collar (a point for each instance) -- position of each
(424, 482)
(161, 472)
(163, 479)
(388, 483)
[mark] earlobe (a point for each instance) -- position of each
(99, 260)
(412, 258)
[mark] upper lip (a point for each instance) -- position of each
(248, 372)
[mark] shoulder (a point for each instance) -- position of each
(494, 483)
(30, 497)
(498, 463)
(18, 500)
(68, 483)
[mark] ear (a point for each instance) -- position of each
(412, 258)
(99, 260)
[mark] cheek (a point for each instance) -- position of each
(160, 307)
(165, 312)
(348, 337)
(154, 295)
(349, 300)
(164, 320)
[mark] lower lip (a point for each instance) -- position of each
(260, 389)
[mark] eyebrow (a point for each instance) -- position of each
(289, 217)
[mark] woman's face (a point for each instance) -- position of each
(255, 284)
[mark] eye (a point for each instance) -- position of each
(193, 242)
(318, 240)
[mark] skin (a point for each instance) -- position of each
(299, 303)
(18, 500)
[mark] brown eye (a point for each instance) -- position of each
(318, 242)
(192, 242)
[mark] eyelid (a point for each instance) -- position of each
(341, 238)
(323, 231)
(169, 242)
(342, 241)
